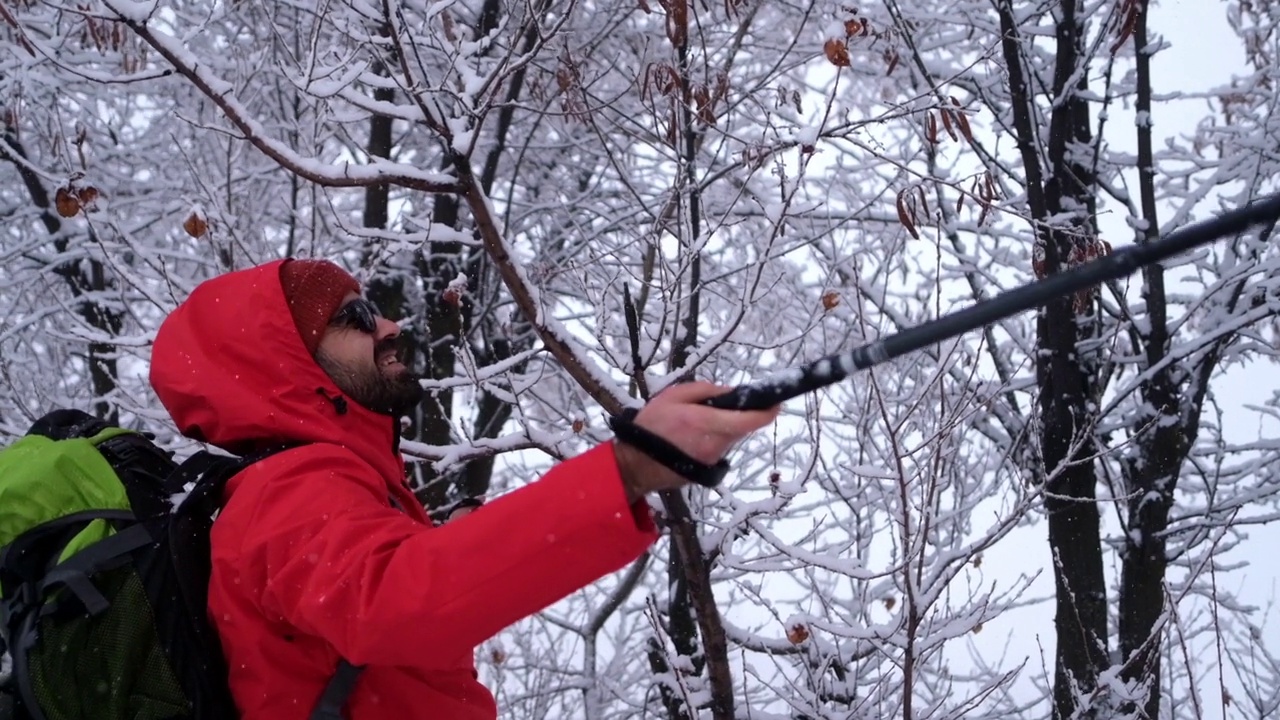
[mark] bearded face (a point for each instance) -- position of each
(378, 381)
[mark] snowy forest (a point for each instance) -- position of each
(570, 205)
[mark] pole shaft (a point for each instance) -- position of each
(832, 369)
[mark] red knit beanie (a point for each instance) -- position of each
(314, 290)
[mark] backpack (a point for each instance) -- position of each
(104, 572)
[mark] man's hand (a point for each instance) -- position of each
(704, 433)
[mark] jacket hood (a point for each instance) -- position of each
(231, 368)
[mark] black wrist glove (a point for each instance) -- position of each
(663, 452)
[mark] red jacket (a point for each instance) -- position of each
(312, 563)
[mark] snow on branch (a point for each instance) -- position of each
(563, 346)
(222, 93)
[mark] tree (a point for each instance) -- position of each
(1121, 385)
(570, 206)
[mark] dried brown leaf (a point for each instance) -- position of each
(195, 225)
(946, 123)
(963, 121)
(1129, 11)
(87, 195)
(797, 634)
(837, 52)
(66, 203)
(891, 56)
(904, 216)
(677, 21)
(446, 19)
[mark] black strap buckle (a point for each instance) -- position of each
(662, 451)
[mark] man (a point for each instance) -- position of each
(321, 553)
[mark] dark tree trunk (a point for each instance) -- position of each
(1163, 440)
(428, 345)
(444, 326)
(88, 281)
(671, 700)
(695, 625)
(1066, 393)
(1060, 188)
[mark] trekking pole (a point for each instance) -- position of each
(834, 368)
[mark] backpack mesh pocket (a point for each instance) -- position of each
(111, 665)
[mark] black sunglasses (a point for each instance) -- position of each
(359, 314)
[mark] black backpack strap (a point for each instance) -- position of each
(202, 479)
(26, 580)
(201, 497)
(24, 637)
(74, 572)
(335, 694)
(68, 525)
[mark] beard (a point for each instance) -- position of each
(387, 390)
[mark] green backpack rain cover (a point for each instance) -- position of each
(104, 570)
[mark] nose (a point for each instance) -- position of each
(386, 329)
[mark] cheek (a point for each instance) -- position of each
(348, 349)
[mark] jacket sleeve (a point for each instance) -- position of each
(338, 562)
